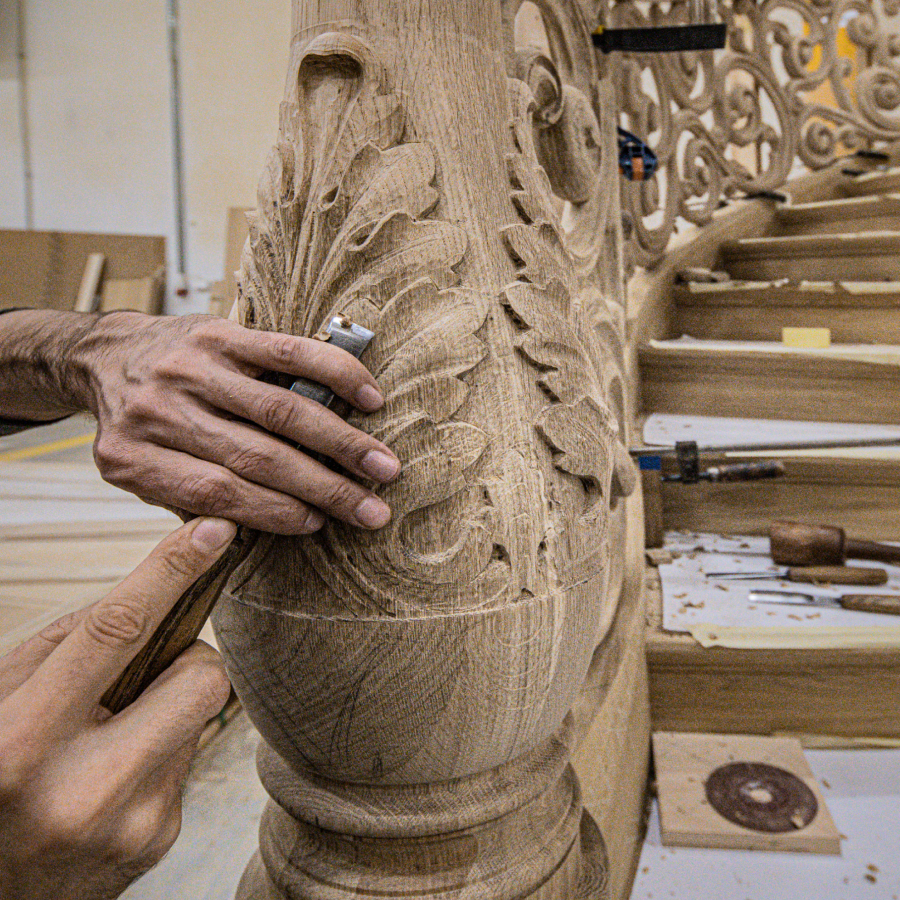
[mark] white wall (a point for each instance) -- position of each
(12, 189)
(98, 104)
(234, 62)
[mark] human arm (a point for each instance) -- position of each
(184, 421)
(89, 801)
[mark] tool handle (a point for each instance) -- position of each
(871, 550)
(177, 631)
(872, 603)
(754, 471)
(838, 575)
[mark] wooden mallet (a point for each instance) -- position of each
(794, 544)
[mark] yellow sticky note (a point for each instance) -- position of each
(811, 338)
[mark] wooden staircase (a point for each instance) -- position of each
(824, 265)
(830, 262)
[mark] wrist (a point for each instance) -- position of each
(94, 347)
(43, 373)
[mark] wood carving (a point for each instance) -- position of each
(736, 121)
(413, 685)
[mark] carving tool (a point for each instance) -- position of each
(182, 624)
(812, 575)
(888, 604)
(837, 444)
(754, 471)
(793, 544)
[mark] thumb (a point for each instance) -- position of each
(79, 671)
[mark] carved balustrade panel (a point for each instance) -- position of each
(738, 121)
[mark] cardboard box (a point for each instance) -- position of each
(44, 268)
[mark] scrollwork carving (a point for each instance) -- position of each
(738, 121)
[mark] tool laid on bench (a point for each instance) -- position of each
(690, 472)
(794, 544)
(182, 624)
(871, 603)
(812, 575)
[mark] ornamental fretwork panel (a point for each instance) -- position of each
(800, 83)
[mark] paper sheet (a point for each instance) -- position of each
(665, 429)
(718, 611)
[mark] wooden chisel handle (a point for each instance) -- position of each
(854, 549)
(872, 603)
(179, 629)
(868, 575)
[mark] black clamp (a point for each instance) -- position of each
(688, 456)
(661, 39)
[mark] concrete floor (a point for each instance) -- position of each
(223, 801)
(68, 441)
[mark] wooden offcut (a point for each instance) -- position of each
(86, 301)
(684, 764)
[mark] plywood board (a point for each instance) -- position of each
(763, 784)
(142, 294)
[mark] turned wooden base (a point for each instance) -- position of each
(518, 831)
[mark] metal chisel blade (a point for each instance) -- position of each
(345, 334)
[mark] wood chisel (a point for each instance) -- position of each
(182, 624)
(870, 603)
(812, 575)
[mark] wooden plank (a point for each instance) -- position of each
(836, 692)
(867, 256)
(692, 816)
(862, 496)
(236, 235)
(761, 385)
(86, 301)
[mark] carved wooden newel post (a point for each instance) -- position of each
(413, 685)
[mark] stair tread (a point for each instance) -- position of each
(696, 348)
(755, 379)
(879, 181)
(864, 206)
(786, 292)
(863, 242)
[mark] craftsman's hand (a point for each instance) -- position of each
(89, 801)
(184, 422)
